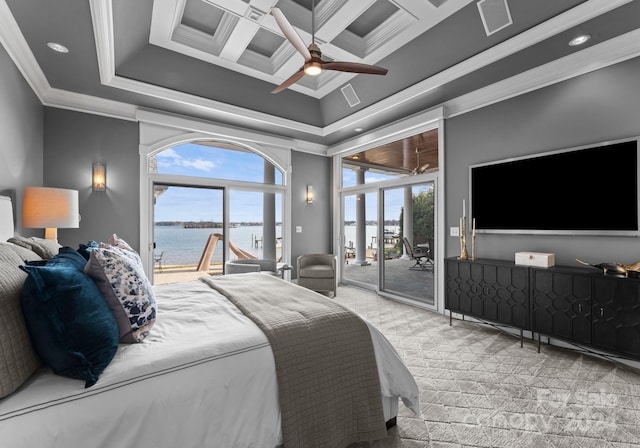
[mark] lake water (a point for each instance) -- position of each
(185, 246)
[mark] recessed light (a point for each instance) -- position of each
(579, 40)
(356, 157)
(57, 47)
(358, 129)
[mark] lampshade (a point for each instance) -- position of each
(50, 208)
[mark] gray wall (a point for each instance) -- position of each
(21, 128)
(599, 106)
(315, 218)
(73, 142)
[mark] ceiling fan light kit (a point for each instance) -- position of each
(313, 68)
(313, 62)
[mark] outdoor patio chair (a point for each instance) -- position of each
(421, 255)
(157, 259)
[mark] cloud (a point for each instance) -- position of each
(172, 158)
(168, 153)
(199, 164)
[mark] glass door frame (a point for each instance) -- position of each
(340, 250)
(424, 180)
(226, 186)
(420, 122)
(158, 131)
(225, 201)
(379, 187)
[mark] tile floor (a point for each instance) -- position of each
(480, 389)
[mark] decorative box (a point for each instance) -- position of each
(538, 259)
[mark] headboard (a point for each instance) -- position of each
(6, 219)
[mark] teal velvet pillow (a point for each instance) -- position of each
(71, 326)
(67, 256)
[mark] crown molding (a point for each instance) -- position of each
(592, 58)
(15, 44)
(574, 16)
(569, 19)
(79, 102)
(610, 52)
(226, 132)
(390, 133)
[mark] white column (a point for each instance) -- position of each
(269, 215)
(361, 223)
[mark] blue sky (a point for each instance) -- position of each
(204, 204)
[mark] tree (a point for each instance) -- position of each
(423, 216)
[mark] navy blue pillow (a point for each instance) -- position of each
(71, 326)
(85, 249)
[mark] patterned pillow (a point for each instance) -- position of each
(119, 275)
(115, 240)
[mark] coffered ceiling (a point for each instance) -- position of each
(219, 60)
(244, 37)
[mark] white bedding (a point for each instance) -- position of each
(205, 377)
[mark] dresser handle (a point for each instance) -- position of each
(601, 312)
(580, 307)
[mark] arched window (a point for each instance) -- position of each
(215, 160)
(213, 202)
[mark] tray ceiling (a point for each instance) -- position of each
(220, 59)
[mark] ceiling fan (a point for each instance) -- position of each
(419, 169)
(313, 63)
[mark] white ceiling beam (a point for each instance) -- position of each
(245, 30)
(333, 17)
(425, 11)
(234, 7)
(239, 39)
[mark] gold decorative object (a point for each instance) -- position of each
(473, 240)
(615, 268)
(464, 255)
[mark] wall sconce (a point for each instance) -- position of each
(99, 176)
(309, 194)
(50, 208)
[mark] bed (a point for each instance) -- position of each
(207, 375)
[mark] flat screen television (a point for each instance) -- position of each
(591, 190)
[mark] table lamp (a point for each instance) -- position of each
(50, 208)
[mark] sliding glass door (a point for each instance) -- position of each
(360, 238)
(408, 242)
(185, 218)
(389, 240)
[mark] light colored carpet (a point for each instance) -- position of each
(478, 388)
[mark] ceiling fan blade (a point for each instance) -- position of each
(290, 33)
(354, 67)
(292, 80)
(423, 168)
